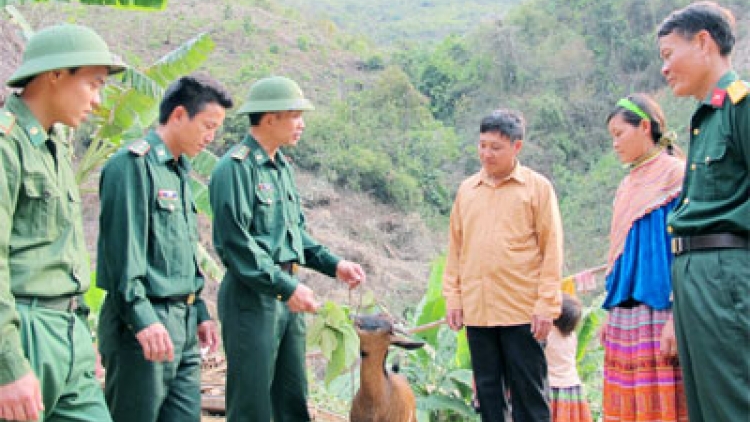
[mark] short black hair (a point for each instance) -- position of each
(255, 118)
(703, 15)
(508, 123)
(570, 315)
(193, 92)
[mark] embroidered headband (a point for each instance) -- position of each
(631, 106)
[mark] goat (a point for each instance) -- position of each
(383, 396)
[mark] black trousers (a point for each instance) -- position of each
(509, 360)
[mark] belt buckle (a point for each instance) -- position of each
(190, 299)
(678, 245)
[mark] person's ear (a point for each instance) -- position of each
(178, 114)
(645, 126)
(704, 41)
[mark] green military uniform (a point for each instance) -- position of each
(43, 267)
(147, 263)
(258, 224)
(712, 285)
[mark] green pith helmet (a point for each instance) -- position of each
(63, 47)
(275, 93)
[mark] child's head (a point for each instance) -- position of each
(569, 316)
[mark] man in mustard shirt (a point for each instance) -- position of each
(47, 359)
(153, 318)
(503, 271)
(711, 224)
(260, 235)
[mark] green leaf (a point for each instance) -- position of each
(337, 363)
(440, 402)
(432, 306)
(204, 163)
(185, 59)
(328, 343)
(587, 334)
(94, 296)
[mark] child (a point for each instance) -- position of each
(567, 402)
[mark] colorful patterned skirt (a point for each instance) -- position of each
(569, 405)
(639, 384)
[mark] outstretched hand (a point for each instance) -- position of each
(350, 273)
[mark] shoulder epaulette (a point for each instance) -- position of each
(737, 90)
(7, 121)
(139, 148)
(241, 153)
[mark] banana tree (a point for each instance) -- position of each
(132, 105)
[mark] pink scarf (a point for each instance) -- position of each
(647, 187)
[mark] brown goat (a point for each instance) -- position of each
(383, 396)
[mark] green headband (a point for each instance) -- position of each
(631, 106)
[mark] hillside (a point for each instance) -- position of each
(395, 248)
(390, 23)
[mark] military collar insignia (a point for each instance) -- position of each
(7, 121)
(241, 152)
(139, 148)
(737, 91)
(37, 135)
(718, 96)
(162, 154)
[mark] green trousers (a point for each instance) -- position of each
(139, 390)
(712, 324)
(59, 348)
(265, 348)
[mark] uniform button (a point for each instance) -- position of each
(708, 160)
(686, 201)
(33, 131)
(171, 207)
(692, 166)
(696, 131)
(669, 229)
(278, 297)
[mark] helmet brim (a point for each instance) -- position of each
(47, 63)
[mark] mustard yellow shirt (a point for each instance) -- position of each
(505, 250)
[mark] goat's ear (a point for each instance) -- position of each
(405, 343)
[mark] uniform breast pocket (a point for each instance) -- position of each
(171, 222)
(175, 238)
(37, 210)
(264, 211)
(715, 179)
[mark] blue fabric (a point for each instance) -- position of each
(643, 272)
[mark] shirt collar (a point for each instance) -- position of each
(259, 155)
(715, 98)
(26, 120)
(162, 154)
(516, 175)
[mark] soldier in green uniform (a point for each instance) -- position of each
(47, 359)
(153, 318)
(259, 233)
(711, 224)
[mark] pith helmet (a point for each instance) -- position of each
(275, 93)
(63, 47)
